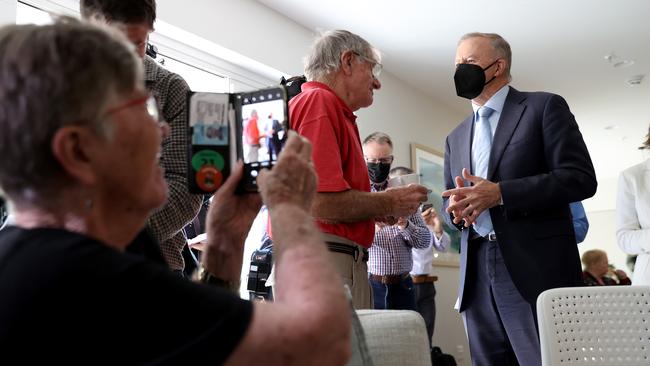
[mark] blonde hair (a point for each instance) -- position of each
(591, 257)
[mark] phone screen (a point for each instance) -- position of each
(263, 124)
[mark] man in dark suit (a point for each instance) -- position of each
(511, 170)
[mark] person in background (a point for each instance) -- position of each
(274, 139)
(596, 269)
(633, 216)
(512, 168)
(423, 280)
(135, 19)
(390, 254)
(580, 222)
(252, 137)
(342, 70)
(79, 165)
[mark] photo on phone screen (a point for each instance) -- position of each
(263, 129)
(263, 121)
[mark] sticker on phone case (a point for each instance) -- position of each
(209, 119)
(207, 158)
(209, 178)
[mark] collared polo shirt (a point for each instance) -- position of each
(330, 125)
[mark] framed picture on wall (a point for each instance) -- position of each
(429, 164)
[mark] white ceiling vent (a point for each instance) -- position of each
(635, 80)
(617, 61)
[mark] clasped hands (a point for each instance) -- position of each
(467, 203)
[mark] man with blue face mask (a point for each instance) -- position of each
(511, 170)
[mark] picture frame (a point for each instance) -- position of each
(429, 164)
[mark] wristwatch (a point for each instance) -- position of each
(208, 278)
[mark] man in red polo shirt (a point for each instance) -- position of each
(342, 70)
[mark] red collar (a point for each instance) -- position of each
(318, 85)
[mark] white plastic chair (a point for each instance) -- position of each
(598, 325)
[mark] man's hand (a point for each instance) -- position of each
(406, 200)
(293, 179)
(385, 221)
(228, 222)
(480, 196)
(456, 213)
(431, 218)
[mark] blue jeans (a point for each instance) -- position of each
(399, 296)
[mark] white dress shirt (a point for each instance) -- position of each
(633, 218)
(422, 258)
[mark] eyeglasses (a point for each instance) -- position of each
(386, 160)
(376, 66)
(149, 101)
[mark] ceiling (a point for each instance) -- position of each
(558, 46)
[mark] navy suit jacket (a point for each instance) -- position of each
(541, 162)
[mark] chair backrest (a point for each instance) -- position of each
(597, 325)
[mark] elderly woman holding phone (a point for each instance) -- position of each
(79, 164)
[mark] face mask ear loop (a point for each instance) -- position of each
(494, 76)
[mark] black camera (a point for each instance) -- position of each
(259, 271)
(223, 128)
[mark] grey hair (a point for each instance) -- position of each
(53, 76)
(500, 46)
(378, 137)
(324, 58)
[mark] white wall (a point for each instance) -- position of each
(7, 12)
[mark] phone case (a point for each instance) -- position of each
(220, 129)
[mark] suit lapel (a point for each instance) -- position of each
(513, 108)
(467, 131)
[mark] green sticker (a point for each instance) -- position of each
(207, 157)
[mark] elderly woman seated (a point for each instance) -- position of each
(597, 271)
(79, 147)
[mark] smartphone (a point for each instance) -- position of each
(426, 206)
(226, 127)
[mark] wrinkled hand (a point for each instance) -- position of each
(293, 179)
(385, 221)
(480, 196)
(406, 200)
(228, 222)
(431, 218)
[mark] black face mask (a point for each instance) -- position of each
(470, 80)
(378, 172)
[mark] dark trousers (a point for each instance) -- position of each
(501, 325)
(398, 296)
(425, 304)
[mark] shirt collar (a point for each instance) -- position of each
(318, 85)
(378, 187)
(496, 102)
